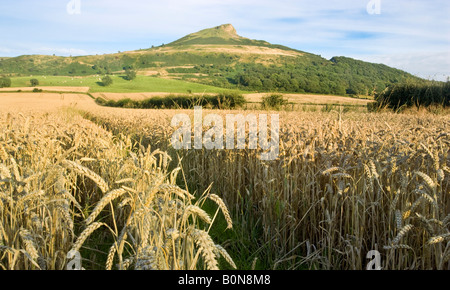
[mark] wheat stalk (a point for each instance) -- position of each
(67, 215)
(196, 211)
(398, 219)
(367, 171)
(428, 180)
(167, 188)
(402, 233)
(397, 247)
(109, 197)
(330, 170)
(30, 246)
(446, 220)
(373, 169)
(438, 239)
(127, 263)
(110, 258)
(223, 208)
(16, 169)
(206, 247)
(427, 223)
(221, 251)
(101, 183)
(146, 260)
(84, 235)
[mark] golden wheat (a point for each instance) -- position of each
(223, 208)
(109, 197)
(222, 252)
(196, 212)
(84, 235)
(344, 184)
(88, 173)
(375, 164)
(206, 248)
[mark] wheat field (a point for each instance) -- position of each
(67, 187)
(106, 183)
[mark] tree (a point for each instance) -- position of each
(34, 82)
(98, 69)
(130, 74)
(107, 81)
(254, 83)
(5, 82)
(268, 84)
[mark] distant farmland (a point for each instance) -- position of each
(140, 84)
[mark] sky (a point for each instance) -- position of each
(411, 35)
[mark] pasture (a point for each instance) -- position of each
(142, 84)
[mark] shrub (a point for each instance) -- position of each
(34, 82)
(274, 101)
(126, 103)
(222, 101)
(230, 100)
(130, 74)
(107, 81)
(5, 82)
(101, 101)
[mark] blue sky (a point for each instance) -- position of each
(411, 35)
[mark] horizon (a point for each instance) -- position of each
(413, 36)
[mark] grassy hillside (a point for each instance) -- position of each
(222, 35)
(220, 57)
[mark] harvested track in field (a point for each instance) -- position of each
(311, 99)
(48, 89)
(41, 101)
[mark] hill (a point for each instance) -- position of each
(224, 34)
(220, 57)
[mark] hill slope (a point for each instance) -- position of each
(220, 57)
(224, 34)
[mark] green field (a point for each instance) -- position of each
(139, 85)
